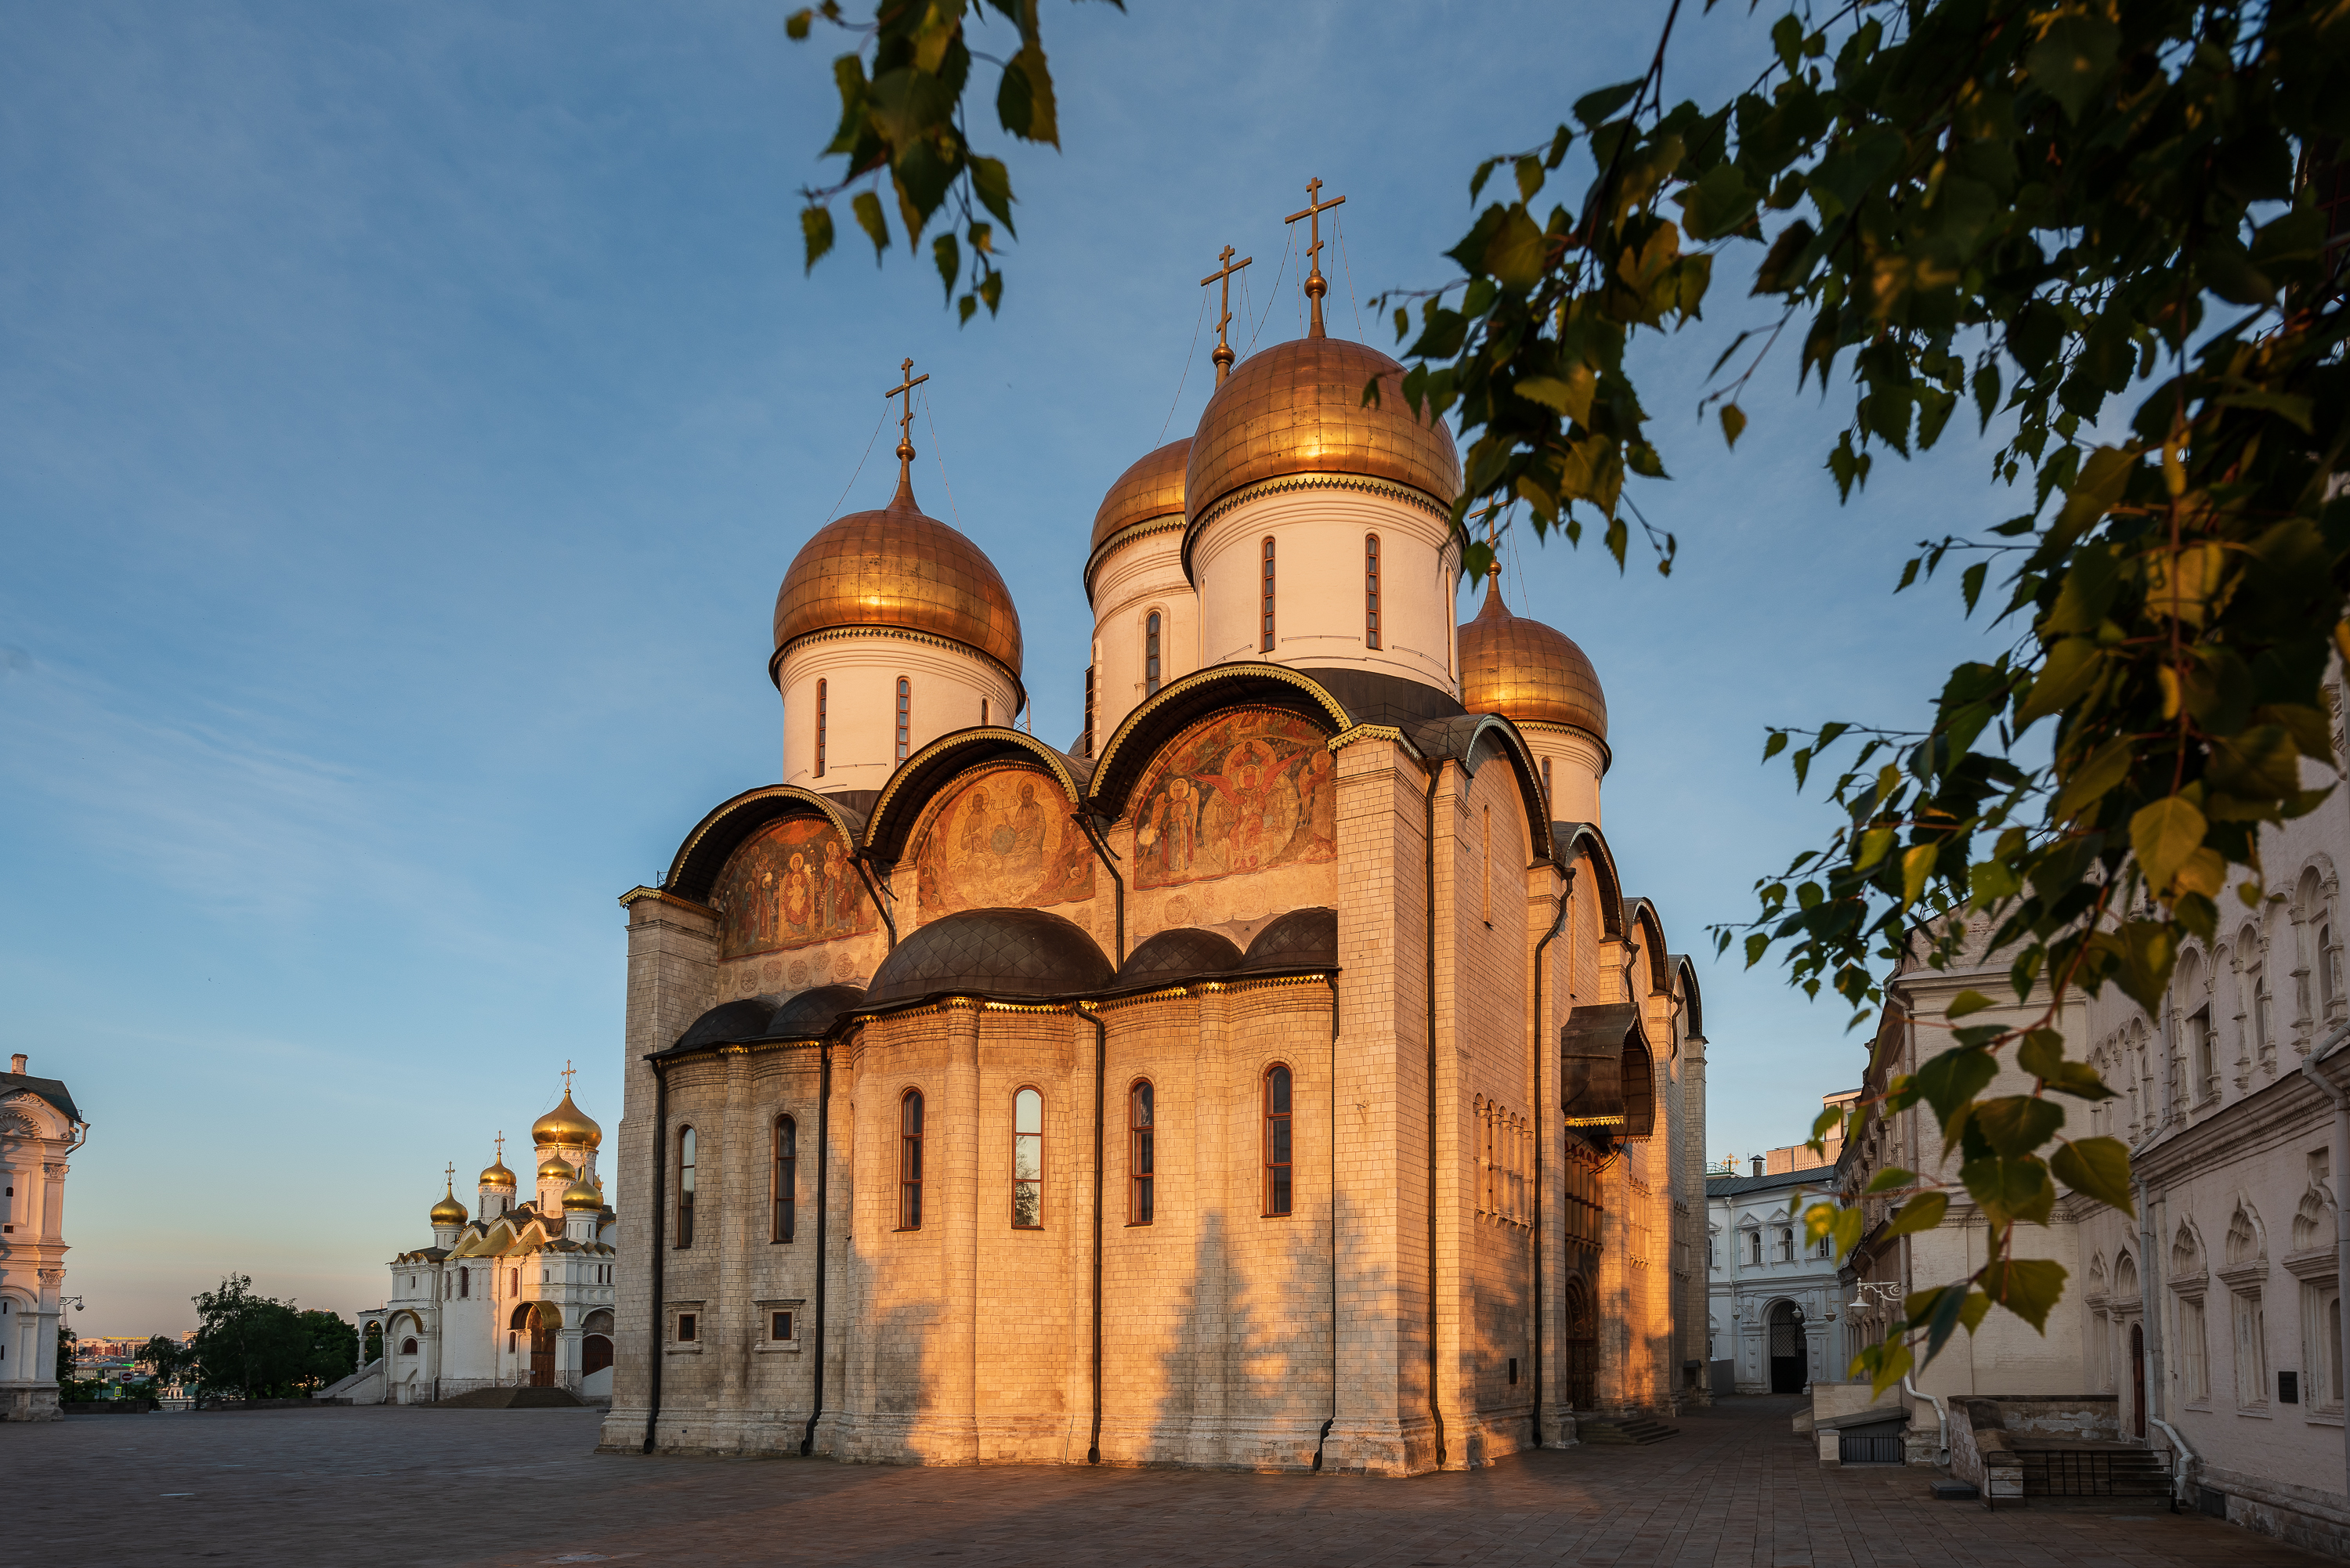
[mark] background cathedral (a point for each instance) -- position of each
(1279, 1078)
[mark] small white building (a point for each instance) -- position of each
(513, 1295)
(38, 1128)
(1772, 1299)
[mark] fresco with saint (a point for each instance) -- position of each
(1003, 841)
(790, 884)
(1243, 792)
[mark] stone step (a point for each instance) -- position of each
(1638, 1430)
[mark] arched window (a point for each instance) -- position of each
(465, 1282)
(408, 1347)
(1277, 1184)
(909, 1161)
(1639, 1091)
(685, 1187)
(1546, 786)
(1089, 711)
(1371, 589)
(822, 714)
(905, 718)
(1151, 653)
(1265, 643)
(1027, 1160)
(787, 1178)
(1141, 1153)
(982, 713)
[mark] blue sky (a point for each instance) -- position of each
(407, 413)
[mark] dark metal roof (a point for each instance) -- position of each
(1301, 938)
(812, 1014)
(744, 1019)
(1025, 954)
(1179, 954)
(49, 1089)
(1591, 1051)
(1376, 697)
(1735, 1186)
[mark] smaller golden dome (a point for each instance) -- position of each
(447, 1212)
(1527, 673)
(566, 1126)
(1152, 488)
(497, 1175)
(582, 1194)
(555, 1168)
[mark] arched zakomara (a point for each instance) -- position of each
(929, 774)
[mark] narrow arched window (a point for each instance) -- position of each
(1151, 653)
(905, 717)
(982, 713)
(1277, 1184)
(465, 1282)
(1371, 588)
(909, 1161)
(1027, 1160)
(1547, 795)
(1141, 1153)
(1089, 710)
(685, 1187)
(823, 713)
(786, 1178)
(1266, 644)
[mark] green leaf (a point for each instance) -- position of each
(795, 25)
(1884, 1364)
(1967, 1002)
(2009, 1189)
(1891, 1177)
(993, 186)
(2093, 779)
(1733, 424)
(1955, 1077)
(1593, 108)
(1516, 253)
(2028, 1287)
(1917, 865)
(2164, 835)
(1024, 102)
(867, 208)
(2097, 1167)
(2017, 1125)
(948, 257)
(1569, 396)
(1922, 1212)
(816, 228)
(2073, 58)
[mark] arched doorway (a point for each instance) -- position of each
(1579, 1350)
(595, 1343)
(539, 1322)
(2138, 1380)
(1788, 1369)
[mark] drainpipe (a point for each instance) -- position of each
(1101, 1070)
(1542, 1043)
(1103, 853)
(1435, 1412)
(1322, 1440)
(2341, 1163)
(823, 1213)
(661, 1201)
(1941, 1420)
(873, 890)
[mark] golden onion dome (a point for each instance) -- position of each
(447, 1212)
(900, 569)
(1298, 408)
(497, 1175)
(566, 1127)
(1527, 673)
(556, 1169)
(1152, 488)
(582, 1194)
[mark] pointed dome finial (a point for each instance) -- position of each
(1224, 356)
(905, 432)
(1316, 287)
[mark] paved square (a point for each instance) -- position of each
(390, 1485)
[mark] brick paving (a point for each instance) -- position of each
(509, 1487)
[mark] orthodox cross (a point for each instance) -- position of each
(1315, 286)
(453, 1178)
(1224, 355)
(906, 419)
(567, 1077)
(502, 1148)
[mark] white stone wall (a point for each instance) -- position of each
(862, 668)
(1143, 575)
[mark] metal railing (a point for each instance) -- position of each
(2095, 1472)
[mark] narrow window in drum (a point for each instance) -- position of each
(1140, 1154)
(1150, 654)
(1027, 1160)
(982, 713)
(1266, 644)
(1277, 1186)
(685, 1187)
(1089, 710)
(821, 699)
(1546, 795)
(909, 1161)
(787, 1178)
(905, 717)
(1371, 588)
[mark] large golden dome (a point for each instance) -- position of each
(566, 1127)
(1152, 488)
(449, 1211)
(1298, 408)
(497, 1175)
(1526, 671)
(899, 568)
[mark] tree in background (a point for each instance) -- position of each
(163, 1357)
(256, 1347)
(2035, 207)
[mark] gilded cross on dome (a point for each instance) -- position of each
(502, 1148)
(1315, 285)
(567, 1070)
(1224, 355)
(906, 420)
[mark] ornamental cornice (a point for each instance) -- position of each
(899, 634)
(1362, 484)
(1164, 522)
(2317, 1264)
(2251, 1274)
